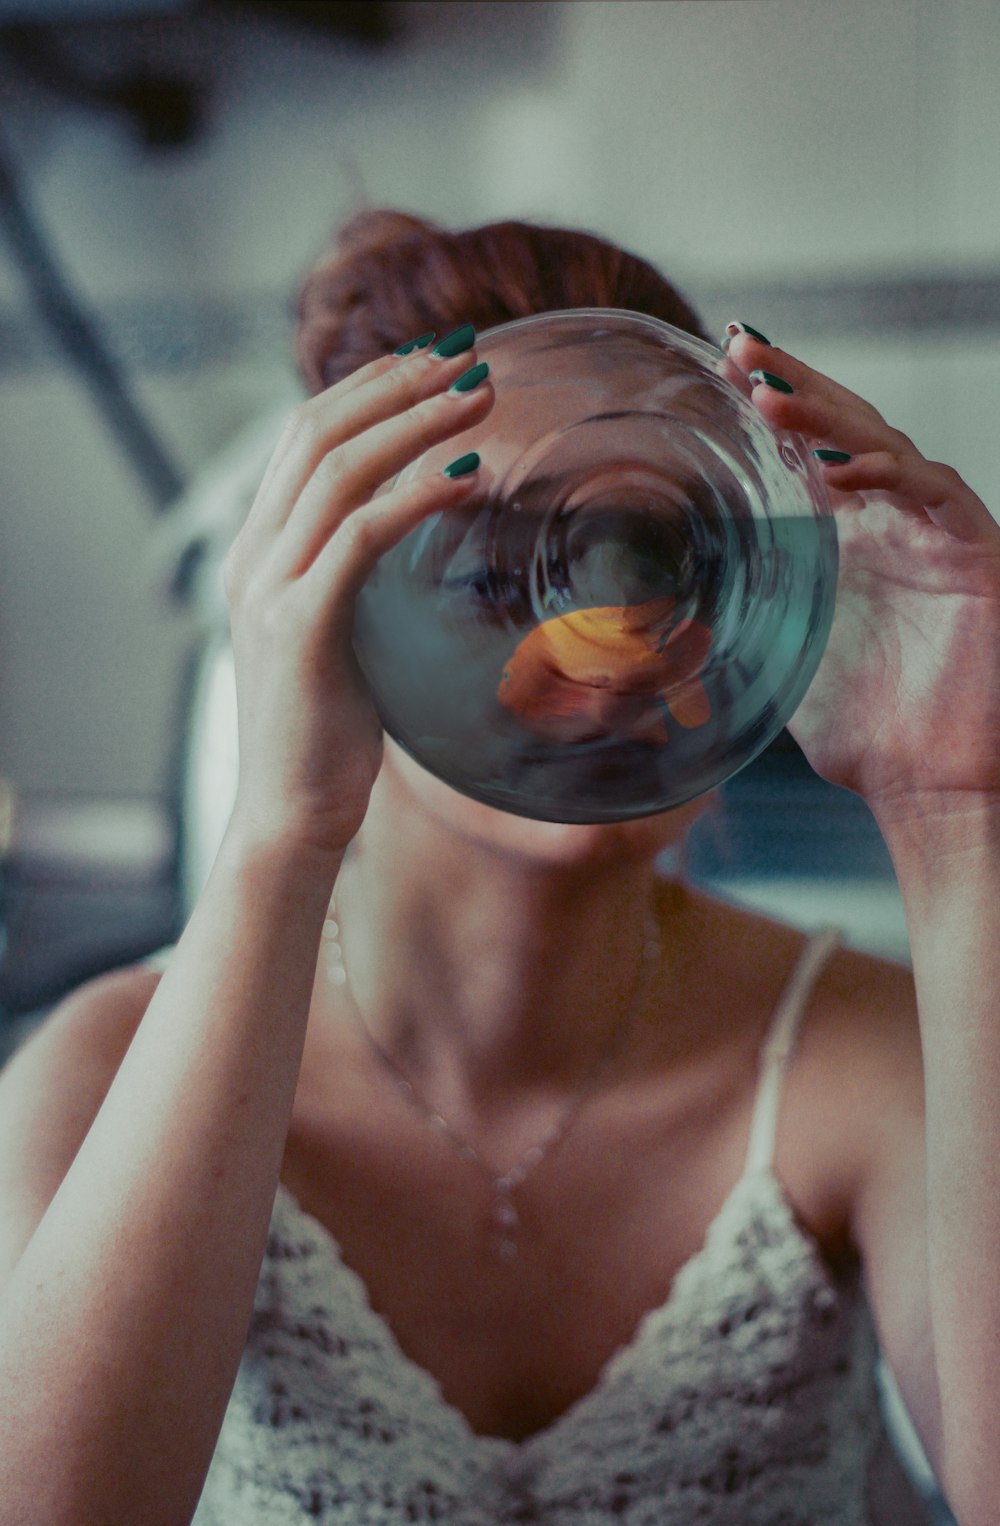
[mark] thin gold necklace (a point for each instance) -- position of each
(504, 1219)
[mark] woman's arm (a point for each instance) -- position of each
(123, 1318)
(929, 1222)
(124, 1313)
(905, 711)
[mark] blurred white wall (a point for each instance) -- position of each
(755, 148)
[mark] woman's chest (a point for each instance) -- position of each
(726, 1402)
(518, 1327)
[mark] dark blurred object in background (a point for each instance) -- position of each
(47, 42)
(366, 20)
(163, 110)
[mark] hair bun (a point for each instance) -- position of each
(388, 276)
(377, 228)
(335, 292)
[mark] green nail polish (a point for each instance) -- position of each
(778, 383)
(744, 328)
(455, 342)
(414, 344)
(471, 378)
(838, 456)
(463, 466)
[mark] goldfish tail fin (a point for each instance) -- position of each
(689, 706)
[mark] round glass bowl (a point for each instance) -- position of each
(635, 601)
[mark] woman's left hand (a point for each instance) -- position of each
(905, 705)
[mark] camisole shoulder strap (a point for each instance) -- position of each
(780, 1042)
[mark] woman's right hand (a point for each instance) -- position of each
(142, 1135)
(310, 742)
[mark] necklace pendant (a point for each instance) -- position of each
(504, 1220)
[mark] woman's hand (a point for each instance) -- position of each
(310, 741)
(905, 706)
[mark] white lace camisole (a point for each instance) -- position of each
(747, 1397)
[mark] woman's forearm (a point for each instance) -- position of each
(122, 1323)
(948, 867)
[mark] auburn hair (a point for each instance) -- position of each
(389, 277)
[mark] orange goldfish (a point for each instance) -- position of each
(595, 672)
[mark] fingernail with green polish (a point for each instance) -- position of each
(732, 329)
(838, 457)
(415, 344)
(778, 383)
(471, 378)
(455, 342)
(463, 465)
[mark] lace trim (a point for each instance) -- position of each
(747, 1396)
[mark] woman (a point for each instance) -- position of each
(485, 1183)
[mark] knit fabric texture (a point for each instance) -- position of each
(747, 1397)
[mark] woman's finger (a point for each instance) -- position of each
(792, 396)
(380, 390)
(323, 402)
(347, 478)
(858, 451)
(339, 570)
(923, 486)
(750, 351)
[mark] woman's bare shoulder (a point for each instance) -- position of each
(856, 1077)
(869, 1038)
(90, 1028)
(868, 1015)
(52, 1089)
(855, 1085)
(861, 1002)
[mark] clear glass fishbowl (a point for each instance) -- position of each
(635, 601)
